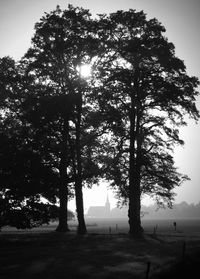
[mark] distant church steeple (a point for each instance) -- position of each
(100, 211)
(107, 204)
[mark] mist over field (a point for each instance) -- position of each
(117, 226)
(178, 211)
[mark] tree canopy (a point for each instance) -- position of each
(148, 94)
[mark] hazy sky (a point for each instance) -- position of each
(182, 22)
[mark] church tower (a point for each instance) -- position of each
(107, 205)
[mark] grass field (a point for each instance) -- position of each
(106, 251)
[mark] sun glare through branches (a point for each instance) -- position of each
(85, 70)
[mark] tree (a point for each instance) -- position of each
(24, 176)
(63, 41)
(145, 95)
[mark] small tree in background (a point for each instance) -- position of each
(25, 177)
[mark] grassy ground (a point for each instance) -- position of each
(49, 255)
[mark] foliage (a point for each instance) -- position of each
(145, 94)
(25, 176)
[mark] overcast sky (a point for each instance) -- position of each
(182, 22)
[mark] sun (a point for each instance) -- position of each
(85, 70)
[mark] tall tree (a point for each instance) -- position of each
(146, 94)
(63, 41)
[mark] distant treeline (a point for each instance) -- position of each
(181, 210)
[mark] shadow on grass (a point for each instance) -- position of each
(66, 255)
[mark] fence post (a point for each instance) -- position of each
(183, 251)
(148, 269)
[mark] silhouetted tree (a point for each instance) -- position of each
(145, 94)
(63, 41)
(25, 178)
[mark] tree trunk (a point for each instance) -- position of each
(63, 195)
(78, 182)
(136, 229)
(79, 207)
(63, 190)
